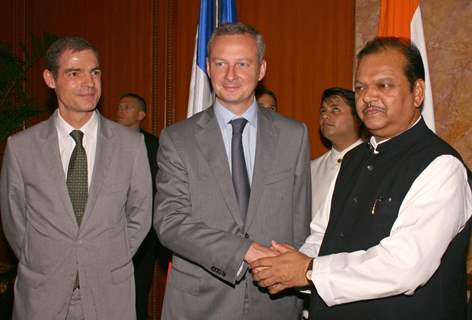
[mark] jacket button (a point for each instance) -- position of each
(370, 167)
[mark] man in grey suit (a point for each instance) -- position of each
(75, 199)
(223, 195)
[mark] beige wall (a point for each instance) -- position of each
(448, 36)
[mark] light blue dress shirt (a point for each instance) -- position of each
(224, 116)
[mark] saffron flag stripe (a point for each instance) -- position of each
(395, 17)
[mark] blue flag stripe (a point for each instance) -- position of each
(206, 26)
(228, 11)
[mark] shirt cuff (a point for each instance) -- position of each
(321, 280)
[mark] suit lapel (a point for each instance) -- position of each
(267, 136)
(211, 144)
(103, 156)
(50, 150)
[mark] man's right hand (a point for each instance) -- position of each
(257, 251)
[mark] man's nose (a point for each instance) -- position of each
(369, 94)
(89, 80)
(230, 73)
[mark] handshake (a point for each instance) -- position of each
(278, 267)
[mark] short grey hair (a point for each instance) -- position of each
(239, 28)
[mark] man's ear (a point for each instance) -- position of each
(49, 79)
(262, 70)
(208, 66)
(419, 91)
(141, 115)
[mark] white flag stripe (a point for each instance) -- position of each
(417, 36)
(200, 96)
(200, 93)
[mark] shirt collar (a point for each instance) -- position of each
(89, 128)
(373, 144)
(224, 116)
(336, 155)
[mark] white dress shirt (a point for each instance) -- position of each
(410, 255)
(224, 116)
(67, 143)
(324, 170)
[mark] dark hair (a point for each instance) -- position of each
(349, 98)
(261, 90)
(141, 101)
(58, 47)
(347, 95)
(239, 28)
(414, 68)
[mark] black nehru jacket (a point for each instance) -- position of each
(379, 182)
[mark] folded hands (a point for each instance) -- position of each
(278, 267)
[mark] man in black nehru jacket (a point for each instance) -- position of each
(392, 244)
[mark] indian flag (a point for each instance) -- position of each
(402, 18)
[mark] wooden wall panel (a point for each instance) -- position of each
(310, 47)
(122, 32)
(12, 22)
(186, 15)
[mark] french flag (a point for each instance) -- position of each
(212, 14)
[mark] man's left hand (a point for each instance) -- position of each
(284, 271)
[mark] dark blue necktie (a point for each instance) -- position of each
(238, 166)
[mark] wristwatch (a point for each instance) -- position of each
(309, 271)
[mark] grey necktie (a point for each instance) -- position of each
(238, 166)
(77, 176)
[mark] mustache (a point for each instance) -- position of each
(372, 108)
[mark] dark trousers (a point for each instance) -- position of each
(144, 262)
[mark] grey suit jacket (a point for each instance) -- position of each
(39, 223)
(198, 218)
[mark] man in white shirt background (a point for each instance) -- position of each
(340, 125)
(341, 129)
(392, 244)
